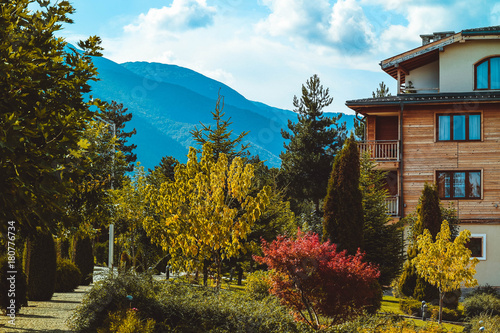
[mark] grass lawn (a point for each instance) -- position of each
(390, 304)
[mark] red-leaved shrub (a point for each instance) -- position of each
(317, 281)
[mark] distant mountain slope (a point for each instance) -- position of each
(168, 101)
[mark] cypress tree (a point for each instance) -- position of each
(84, 259)
(428, 217)
(383, 244)
(40, 265)
(343, 209)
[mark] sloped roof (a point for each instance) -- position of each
(441, 98)
(428, 53)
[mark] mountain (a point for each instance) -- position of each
(168, 101)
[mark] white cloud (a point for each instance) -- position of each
(180, 16)
(495, 15)
(342, 25)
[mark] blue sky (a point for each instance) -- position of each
(266, 49)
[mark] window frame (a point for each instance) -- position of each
(476, 65)
(483, 245)
(467, 195)
(467, 126)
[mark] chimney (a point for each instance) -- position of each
(426, 39)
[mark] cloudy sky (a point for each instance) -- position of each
(266, 49)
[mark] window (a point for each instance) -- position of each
(459, 184)
(487, 74)
(459, 127)
(477, 246)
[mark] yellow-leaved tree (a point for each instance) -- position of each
(206, 212)
(444, 263)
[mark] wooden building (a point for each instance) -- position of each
(443, 127)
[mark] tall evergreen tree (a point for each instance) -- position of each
(221, 137)
(42, 110)
(428, 217)
(116, 114)
(383, 244)
(343, 212)
(314, 141)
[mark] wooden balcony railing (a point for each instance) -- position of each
(386, 150)
(392, 204)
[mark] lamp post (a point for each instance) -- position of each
(111, 226)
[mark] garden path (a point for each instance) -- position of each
(48, 316)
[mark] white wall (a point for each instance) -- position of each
(456, 63)
(425, 77)
(488, 271)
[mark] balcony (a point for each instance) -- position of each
(386, 150)
(392, 204)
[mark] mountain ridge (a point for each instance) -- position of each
(168, 101)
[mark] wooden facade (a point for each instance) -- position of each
(410, 123)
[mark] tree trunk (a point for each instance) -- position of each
(205, 272)
(240, 275)
(441, 297)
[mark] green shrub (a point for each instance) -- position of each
(490, 323)
(128, 321)
(20, 288)
(190, 308)
(84, 259)
(412, 307)
(110, 295)
(101, 253)
(68, 276)
(63, 248)
(40, 265)
(481, 304)
(486, 289)
(258, 284)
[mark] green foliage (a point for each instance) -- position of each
(383, 244)
(110, 295)
(413, 307)
(116, 114)
(382, 91)
(83, 258)
(314, 141)
(220, 136)
(490, 323)
(128, 321)
(68, 276)
(101, 253)
(42, 111)
(12, 283)
(199, 309)
(428, 216)
(258, 285)
(176, 307)
(482, 304)
(40, 265)
(486, 289)
(343, 220)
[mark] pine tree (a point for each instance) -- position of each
(220, 137)
(343, 219)
(314, 141)
(116, 114)
(382, 91)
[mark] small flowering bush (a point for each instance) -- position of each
(315, 280)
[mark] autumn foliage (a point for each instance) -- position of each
(317, 281)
